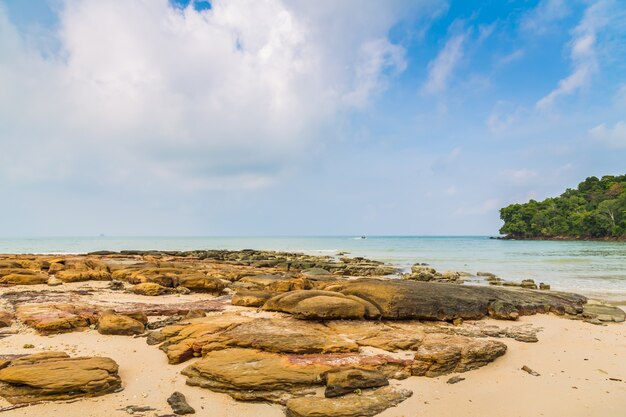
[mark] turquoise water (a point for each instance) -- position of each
(596, 269)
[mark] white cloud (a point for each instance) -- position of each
(613, 137)
(512, 57)
(441, 68)
(503, 116)
(582, 54)
(539, 19)
(140, 91)
(519, 176)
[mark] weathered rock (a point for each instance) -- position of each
(179, 404)
(503, 311)
(282, 335)
(202, 283)
(543, 286)
(24, 279)
(83, 275)
(368, 404)
(347, 381)
(6, 318)
(150, 289)
(56, 376)
(251, 298)
(252, 375)
(442, 354)
(529, 283)
(118, 324)
(57, 318)
(603, 312)
(54, 282)
(378, 334)
(403, 299)
(322, 305)
(155, 338)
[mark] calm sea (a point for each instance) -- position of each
(596, 269)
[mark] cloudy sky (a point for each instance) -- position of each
(299, 117)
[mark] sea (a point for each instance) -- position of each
(595, 269)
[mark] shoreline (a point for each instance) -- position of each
(561, 238)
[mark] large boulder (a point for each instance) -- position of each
(202, 283)
(251, 298)
(354, 405)
(150, 289)
(56, 376)
(404, 299)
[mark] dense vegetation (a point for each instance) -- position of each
(595, 210)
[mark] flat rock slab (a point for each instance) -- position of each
(604, 312)
(252, 375)
(365, 405)
(57, 318)
(396, 299)
(55, 376)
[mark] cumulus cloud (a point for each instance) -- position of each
(613, 137)
(582, 54)
(441, 68)
(143, 91)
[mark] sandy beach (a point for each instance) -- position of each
(581, 366)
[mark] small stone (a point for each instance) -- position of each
(455, 379)
(179, 404)
(28, 346)
(530, 371)
(543, 286)
(53, 282)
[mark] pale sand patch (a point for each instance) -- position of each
(500, 389)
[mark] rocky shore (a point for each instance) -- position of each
(310, 335)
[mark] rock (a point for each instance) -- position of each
(529, 283)
(603, 312)
(57, 318)
(353, 405)
(442, 354)
(182, 290)
(283, 335)
(315, 272)
(116, 285)
(485, 274)
(379, 335)
(530, 371)
(251, 298)
(55, 376)
(202, 283)
(118, 324)
(503, 311)
(252, 375)
(24, 279)
(454, 380)
(54, 282)
(150, 289)
(6, 319)
(404, 299)
(324, 305)
(275, 283)
(155, 338)
(194, 314)
(83, 275)
(179, 404)
(344, 382)
(543, 286)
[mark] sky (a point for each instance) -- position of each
(290, 118)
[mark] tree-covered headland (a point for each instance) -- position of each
(594, 210)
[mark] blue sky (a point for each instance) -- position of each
(241, 117)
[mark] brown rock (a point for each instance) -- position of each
(24, 279)
(442, 354)
(55, 376)
(6, 318)
(251, 298)
(344, 382)
(83, 275)
(321, 305)
(150, 289)
(202, 283)
(118, 324)
(366, 405)
(57, 318)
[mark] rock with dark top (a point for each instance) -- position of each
(404, 299)
(179, 404)
(344, 382)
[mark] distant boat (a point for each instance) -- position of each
(363, 237)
